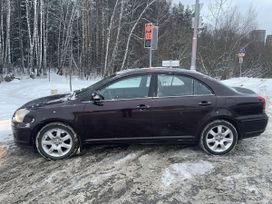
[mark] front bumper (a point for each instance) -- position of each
(251, 126)
(22, 134)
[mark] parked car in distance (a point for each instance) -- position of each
(146, 105)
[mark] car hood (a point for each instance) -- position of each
(48, 100)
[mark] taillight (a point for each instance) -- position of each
(262, 100)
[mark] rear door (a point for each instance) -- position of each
(180, 105)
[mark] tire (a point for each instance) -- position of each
(219, 137)
(56, 141)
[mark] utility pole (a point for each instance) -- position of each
(150, 57)
(195, 35)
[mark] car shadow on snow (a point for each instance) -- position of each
(10, 149)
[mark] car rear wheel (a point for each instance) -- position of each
(219, 137)
(57, 141)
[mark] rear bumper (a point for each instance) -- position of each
(252, 126)
(22, 134)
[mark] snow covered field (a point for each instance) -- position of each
(133, 173)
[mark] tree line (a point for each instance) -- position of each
(86, 37)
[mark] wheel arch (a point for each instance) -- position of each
(221, 117)
(42, 124)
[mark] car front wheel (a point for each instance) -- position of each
(219, 137)
(57, 141)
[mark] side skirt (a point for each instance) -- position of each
(159, 139)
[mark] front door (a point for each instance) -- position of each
(125, 112)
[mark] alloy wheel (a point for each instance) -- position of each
(219, 138)
(56, 142)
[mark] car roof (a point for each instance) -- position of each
(155, 69)
(218, 88)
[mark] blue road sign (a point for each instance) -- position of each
(242, 50)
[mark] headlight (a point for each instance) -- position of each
(20, 115)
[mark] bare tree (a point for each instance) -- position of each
(1, 36)
(148, 4)
(220, 44)
(8, 53)
(109, 36)
(103, 36)
(116, 45)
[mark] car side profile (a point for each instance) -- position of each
(146, 105)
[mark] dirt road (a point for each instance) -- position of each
(140, 174)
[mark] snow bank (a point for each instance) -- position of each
(5, 129)
(262, 87)
(18, 92)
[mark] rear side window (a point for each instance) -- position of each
(174, 85)
(177, 85)
(201, 89)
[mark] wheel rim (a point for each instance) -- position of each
(219, 138)
(56, 142)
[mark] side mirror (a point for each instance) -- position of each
(97, 98)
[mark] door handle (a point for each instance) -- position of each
(143, 107)
(205, 103)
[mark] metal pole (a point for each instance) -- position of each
(195, 35)
(150, 57)
(49, 74)
(70, 65)
(240, 69)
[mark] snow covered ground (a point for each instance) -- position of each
(132, 173)
(17, 92)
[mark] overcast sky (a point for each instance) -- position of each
(263, 10)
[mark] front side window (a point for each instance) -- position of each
(128, 88)
(177, 85)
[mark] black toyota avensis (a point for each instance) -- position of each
(142, 106)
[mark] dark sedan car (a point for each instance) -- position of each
(142, 106)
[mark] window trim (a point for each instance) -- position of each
(163, 97)
(182, 75)
(150, 88)
(204, 84)
(128, 99)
